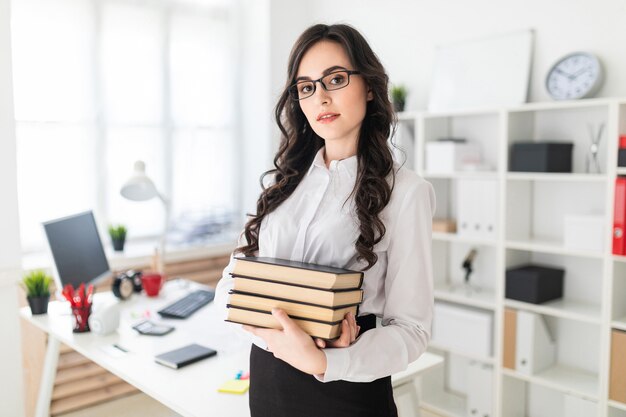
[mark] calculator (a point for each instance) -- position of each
(152, 329)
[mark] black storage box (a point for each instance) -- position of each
(621, 158)
(534, 283)
(541, 157)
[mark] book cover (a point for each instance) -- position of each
(294, 272)
(325, 298)
(293, 309)
(184, 356)
(313, 328)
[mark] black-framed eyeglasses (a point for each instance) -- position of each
(334, 81)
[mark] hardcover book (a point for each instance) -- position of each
(325, 298)
(299, 273)
(293, 309)
(323, 330)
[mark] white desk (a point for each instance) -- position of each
(190, 391)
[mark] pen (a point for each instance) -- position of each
(115, 345)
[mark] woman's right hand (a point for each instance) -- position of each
(349, 332)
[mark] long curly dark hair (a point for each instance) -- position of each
(299, 143)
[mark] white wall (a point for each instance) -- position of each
(268, 30)
(404, 34)
(11, 389)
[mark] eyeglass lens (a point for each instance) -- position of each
(333, 81)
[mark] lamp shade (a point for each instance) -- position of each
(139, 187)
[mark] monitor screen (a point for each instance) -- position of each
(77, 249)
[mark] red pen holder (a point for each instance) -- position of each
(80, 318)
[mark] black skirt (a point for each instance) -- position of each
(279, 390)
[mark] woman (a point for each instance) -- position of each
(337, 198)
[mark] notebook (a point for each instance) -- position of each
(184, 356)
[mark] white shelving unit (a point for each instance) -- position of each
(529, 229)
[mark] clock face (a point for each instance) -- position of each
(574, 76)
(123, 287)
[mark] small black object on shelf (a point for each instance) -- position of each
(621, 158)
(534, 283)
(541, 157)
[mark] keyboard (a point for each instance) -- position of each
(189, 304)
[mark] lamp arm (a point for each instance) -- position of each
(166, 225)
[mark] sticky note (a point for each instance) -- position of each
(235, 386)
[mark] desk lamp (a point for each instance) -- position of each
(140, 187)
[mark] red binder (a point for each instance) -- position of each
(619, 217)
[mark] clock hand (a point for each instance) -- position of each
(579, 72)
(560, 71)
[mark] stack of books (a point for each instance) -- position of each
(316, 297)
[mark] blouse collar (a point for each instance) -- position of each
(347, 166)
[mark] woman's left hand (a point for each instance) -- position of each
(291, 344)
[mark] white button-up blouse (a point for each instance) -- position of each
(314, 225)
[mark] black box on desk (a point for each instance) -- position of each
(541, 157)
(534, 283)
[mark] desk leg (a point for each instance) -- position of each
(47, 379)
(407, 399)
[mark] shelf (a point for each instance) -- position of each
(484, 299)
(444, 404)
(565, 309)
(561, 105)
(619, 324)
(621, 171)
(477, 175)
(619, 258)
(485, 111)
(550, 246)
(564, 379)
(557, 177)
(617, 404)
(453, 237)
(481, 359)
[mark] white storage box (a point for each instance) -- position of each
(463, 329)
(579, 407)
(448, 157)
(584, 232)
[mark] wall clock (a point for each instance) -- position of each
(576, 75)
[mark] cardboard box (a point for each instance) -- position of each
(448, 157)
(444, 225)
(584, 232)
(463, 329)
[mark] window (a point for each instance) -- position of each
(100, 84)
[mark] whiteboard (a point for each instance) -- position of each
(490, 72)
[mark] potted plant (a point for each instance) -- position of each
(37, 286)
(118, 237)
(398, 97)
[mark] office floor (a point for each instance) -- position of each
(139, 405)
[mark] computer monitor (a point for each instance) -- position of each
(77, 250)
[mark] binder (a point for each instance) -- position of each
(479, 389)
(535, 349)
(619, 216)
(617, 384)
(510, 336)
